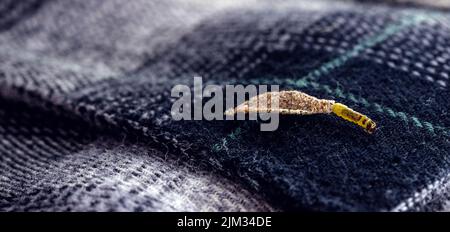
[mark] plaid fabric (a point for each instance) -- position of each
(85, 112)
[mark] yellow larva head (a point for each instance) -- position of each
(350, 115)
(370, 126)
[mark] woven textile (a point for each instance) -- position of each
(85, 106)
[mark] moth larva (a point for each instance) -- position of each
(295, 102)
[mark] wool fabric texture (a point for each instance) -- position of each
(85, 121)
